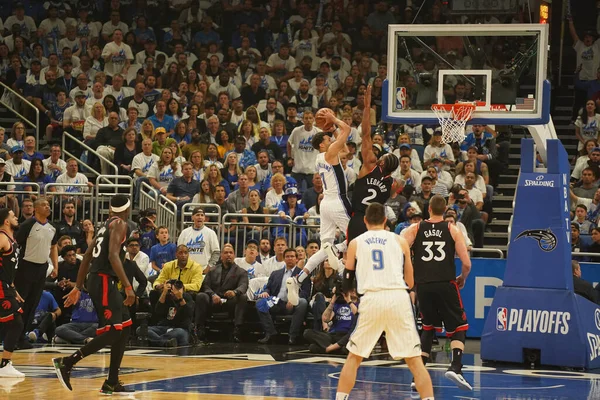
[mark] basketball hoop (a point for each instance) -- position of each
(453, 118)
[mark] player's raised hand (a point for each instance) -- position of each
(368, 96)
(72, 298)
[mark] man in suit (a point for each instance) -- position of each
(224, 289)
(276, 286)
(581, 286)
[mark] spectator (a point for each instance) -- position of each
(274, 300)
(450, 216)
(29, 152)
(585, 226)
(249, 262)
(581, 286)
(163, 251)
(83, 325)
(436, 149)
(138, 101)
(253, 93)
(174, 311)
(184, 269)
(54, 165)
(141, 164)
(75, 117)
(304, 101)
(239, 199)
(161, 120)
(164, 171)
(588, 184)
(468, 214)
(263, 167)
(72, 176)
(201, 241)
(324, 282)
(484, 138)
(591, 153)
(182, 190)
(126, 151)
(224, 288)
(587, 125)
(141, 259)
(17, 167)
(116, 54)
(246, 157)
(337, 322)
(44, 320)
(36, 175)
(96, 121)
(405, 175)
(26, 205)
(303, 154)
(107, 139)
(69, 225)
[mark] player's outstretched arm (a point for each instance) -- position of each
(350, 269)
(366, 146)
(463, 254)
(409, 275)
(341, 139)
(116, 241)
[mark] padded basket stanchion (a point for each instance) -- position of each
(453, 118)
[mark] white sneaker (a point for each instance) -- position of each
(458, 379)
(293, 289)
(32, 337)
(8, 371)
(334, 261)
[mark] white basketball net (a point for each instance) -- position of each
(453, 118)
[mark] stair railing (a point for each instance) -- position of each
(67, 135)
(35, 125)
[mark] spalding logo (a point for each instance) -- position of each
(545, 238)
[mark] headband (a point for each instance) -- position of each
(122, 208)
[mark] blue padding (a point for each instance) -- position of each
(430, 119)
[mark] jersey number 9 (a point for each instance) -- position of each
(377, 257)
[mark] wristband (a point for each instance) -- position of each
(129, 287)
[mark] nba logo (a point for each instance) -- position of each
(501, 318)
(400, 98)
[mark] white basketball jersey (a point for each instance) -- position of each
(333, 177)
(380, 262)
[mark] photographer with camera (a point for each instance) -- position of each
(174, 311)
(182, 269)
(224, 289)
(338, 322)
(468, 214)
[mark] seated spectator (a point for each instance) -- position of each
(250, 261)
(183, 268)
(587, 125)
(594, 246)
(36, 175)
(44, 320)
(275, 262)
(437, 186)
(223, 289)
(87, 236)
(174, 312)
(29, 152)
(239, 199)
(206, 194)
(54, 165)
(162, 252)
(142, 261)
(83, 325)
(588, 185)
(140, 166)
(161, 141)
(274, 197)
(450, 216)
(245, 156)
(337, 323)
(324, 283)
(468, 214)
(16, 166)
(581, 286)
(232, 170)
(404, 149)
(68, 224)
(182, 190)
(470, 166)
(406, 175)
(474, 193)
(592, 153)
(265, 144)
(579, 244)
(73, 177)
(585, 226)
(125, 152)
(292, 209)
(255, 227)
(274, 300)
(311, 194)
(162, 172)
(483, 137)
(201, 241)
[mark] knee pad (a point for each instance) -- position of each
(426, 341)
(460, 336)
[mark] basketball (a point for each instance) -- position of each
(321, 120)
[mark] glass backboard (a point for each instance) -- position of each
(501, 67)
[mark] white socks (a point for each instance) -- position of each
(341, 396)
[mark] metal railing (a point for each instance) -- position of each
(5, 188)
(35, 125)
(303, 231)
(105, 190)
(166, 214)
(488, 250)
(148, 197)
(67, 135)
(585, 254)
(78, 193)
(213, 219)
(243, 231)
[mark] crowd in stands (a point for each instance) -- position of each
(213, 102)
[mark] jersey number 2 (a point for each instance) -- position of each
(372, 194)
(439, 255)
(377, 257)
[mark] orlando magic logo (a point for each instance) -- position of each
(545, 238)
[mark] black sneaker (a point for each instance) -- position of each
(171, 343)
(118, 389)
(456, 376)
(313, 348)
(24, 344)
(63, 372)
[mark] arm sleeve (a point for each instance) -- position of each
(141, 280)
(196, 281)
(215, 250)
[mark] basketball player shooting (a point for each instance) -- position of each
(374, 183)
(335, 206)
(104, 259)
(380, 261)
(434, 243)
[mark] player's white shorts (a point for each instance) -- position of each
(334, 215)
(388, 311)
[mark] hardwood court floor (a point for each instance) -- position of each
(225, 371)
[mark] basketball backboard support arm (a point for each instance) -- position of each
(540, 134)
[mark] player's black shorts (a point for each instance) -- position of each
(441, 302)
(356, 226)
(108, 302)
(9, 306)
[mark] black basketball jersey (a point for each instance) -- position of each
(433, 253)
(8, 263)
(371, 188)
(100, 261)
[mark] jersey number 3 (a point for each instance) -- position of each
(99, 240)
(437, 255)
(377, 257)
